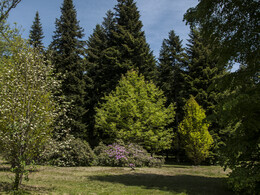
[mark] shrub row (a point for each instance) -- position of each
(75, 152)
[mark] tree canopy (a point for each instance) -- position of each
(36, 33)
(67, 51)
(135, 112)
(234, 27)
(27, 106)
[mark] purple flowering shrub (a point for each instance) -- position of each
(125, 155)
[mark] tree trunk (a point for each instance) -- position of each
(18, 178)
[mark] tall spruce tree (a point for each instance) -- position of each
(172, 67)
(36, 33)
(172, 70)
(100, 71)
(131, 48)
(68, 48)
(115, 47)
(203, 70)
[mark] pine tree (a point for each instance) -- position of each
(172, 67)
(99, 70)
(115, 47)
(131, 48)
(36, 33)
(68, 48)
(203, 71)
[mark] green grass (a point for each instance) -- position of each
(170, 179)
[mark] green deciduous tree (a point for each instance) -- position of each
(27, 106)
(68, 49)
(135, 112)
(234, 26)
(36, 34)
(194, 133)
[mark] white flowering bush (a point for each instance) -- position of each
(27, 106)
(67, 152)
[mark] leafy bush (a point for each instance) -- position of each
(68, 152)
(125, 155)
(245, 179)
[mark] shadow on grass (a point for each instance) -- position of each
(5, 169)
(192, 185)
(24, 189)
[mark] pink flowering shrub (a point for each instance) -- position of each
(125, 155)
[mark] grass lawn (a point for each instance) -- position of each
(170, 179)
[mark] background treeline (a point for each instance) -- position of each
(186, 104)
(90, 70)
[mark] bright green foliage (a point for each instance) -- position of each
(116, 46)
(135, 112)
(194, 133)
(67, 49)
(234, 26)
(27, 106)
(36, 34)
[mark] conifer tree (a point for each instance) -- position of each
(100, 71)
(115, 47)
(131, 48)
(36, 33)
(68, 49)
(172, 70)
(172, 67)
(203, 71)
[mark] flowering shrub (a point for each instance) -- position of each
(125, 155)
(68, 152)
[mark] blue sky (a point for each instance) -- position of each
(158, 17)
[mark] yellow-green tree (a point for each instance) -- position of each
(135, 112)
(193, 130)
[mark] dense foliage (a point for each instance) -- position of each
(27, 106)
(172, 80)
(234, 27)
(115, 47)
(93, 104)
(135, 112)
(194, 133)
(69, 151)
(67, 49)
(125, 155)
